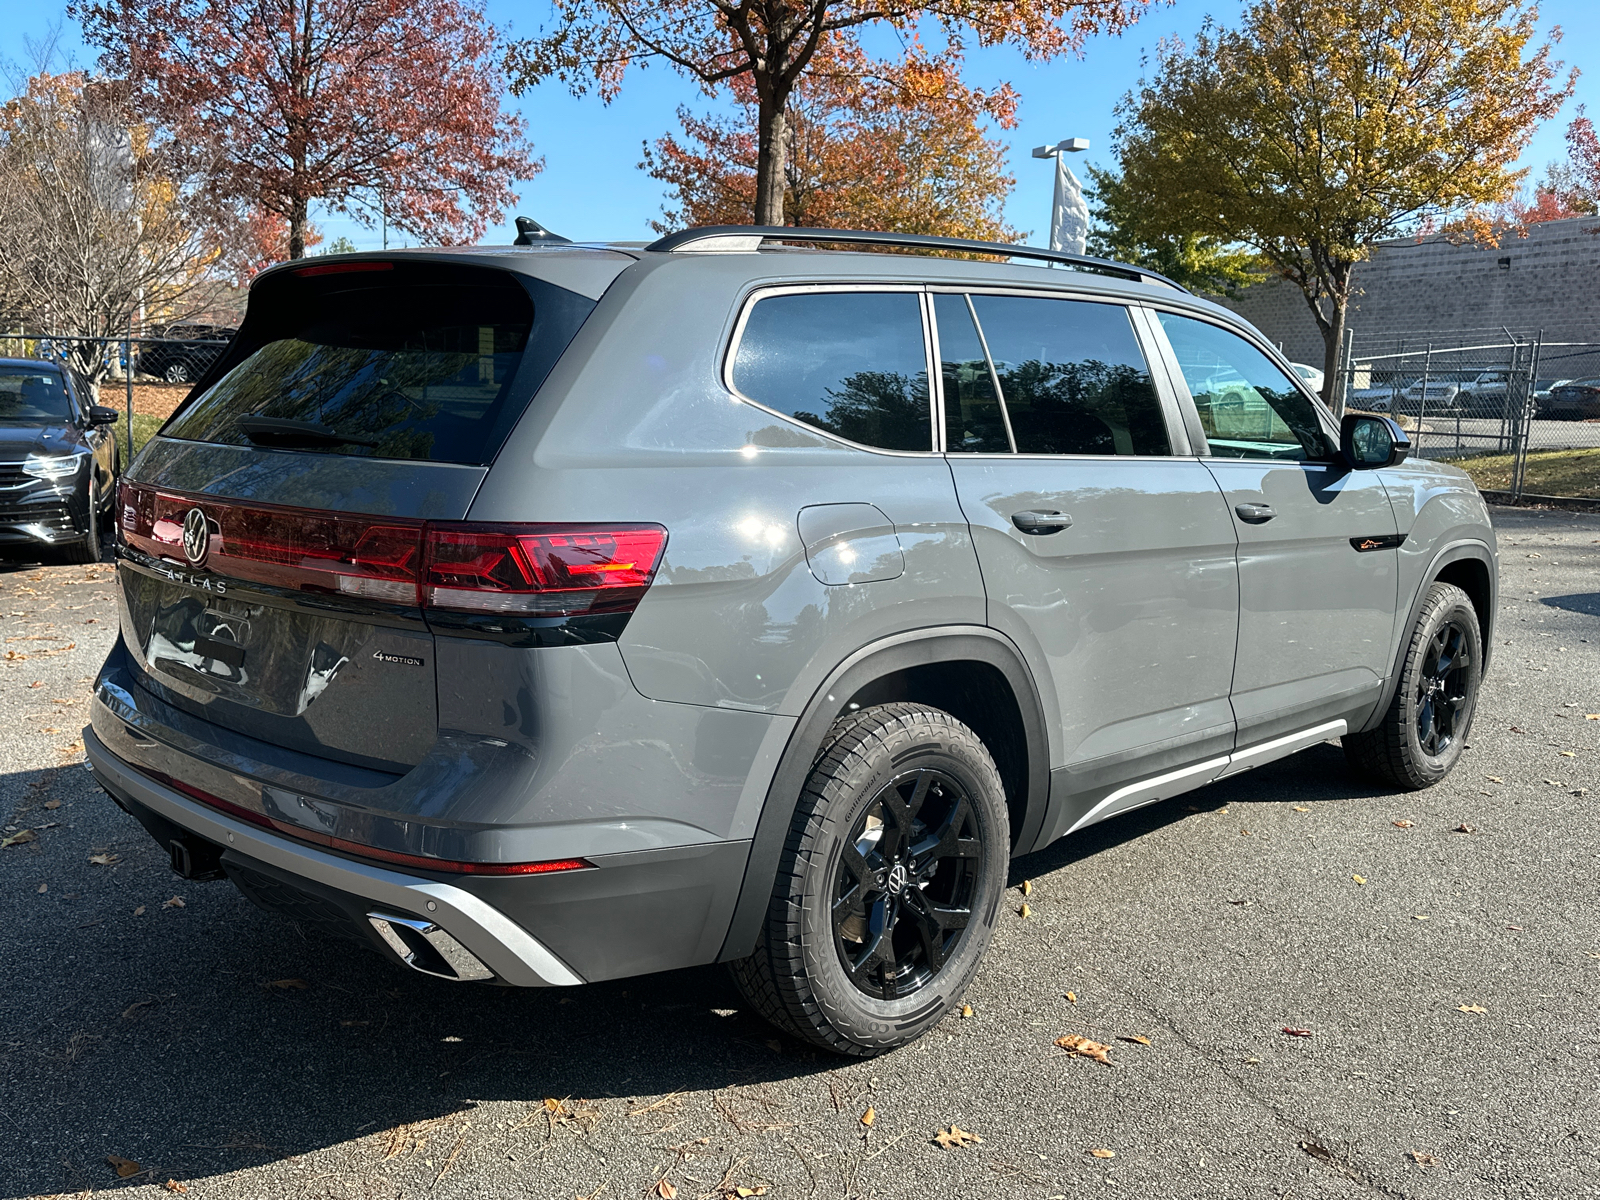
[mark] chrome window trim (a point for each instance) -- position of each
(757, 294)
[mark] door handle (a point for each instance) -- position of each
(1040, 522)
(1255, 514)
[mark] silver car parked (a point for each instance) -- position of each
(558, 613)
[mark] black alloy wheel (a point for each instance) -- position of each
(1441, 689)
(905, 882)
(1420, 736)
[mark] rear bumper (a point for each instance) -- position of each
(507, 950)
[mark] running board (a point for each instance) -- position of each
(1186, 779)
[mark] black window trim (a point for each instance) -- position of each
(1191, 411)
(1155, 357)
(935, 404)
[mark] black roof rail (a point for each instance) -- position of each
(749, 237)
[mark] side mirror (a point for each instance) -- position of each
(1369, 442)
(99, 415)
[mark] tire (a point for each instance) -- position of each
(87, 549)
(861, 956)
(179, 372)
(1425, 728)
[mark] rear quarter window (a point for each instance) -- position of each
(420, 361)
(851, 363)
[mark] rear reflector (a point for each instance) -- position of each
(418, 861)
(531, 570)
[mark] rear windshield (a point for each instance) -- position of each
(409, 361)
(32, 398)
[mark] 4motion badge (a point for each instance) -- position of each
(404, 660)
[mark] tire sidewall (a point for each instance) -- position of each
(863, 1020)
(1450, 605)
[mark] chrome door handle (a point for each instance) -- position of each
(1040, 522)
(1255, 514)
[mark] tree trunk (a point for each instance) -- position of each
(1332, 355)
(297, 228)
(769, 163)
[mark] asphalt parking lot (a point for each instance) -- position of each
(1441, 949)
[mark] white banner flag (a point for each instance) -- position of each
(1069, 218)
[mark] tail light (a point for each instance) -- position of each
(540, 570)
(529, 570)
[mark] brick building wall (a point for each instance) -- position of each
(1433, 291)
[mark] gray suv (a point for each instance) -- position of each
(554, 614)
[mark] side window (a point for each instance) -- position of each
(1248, 407)
(973, 420)
(1072, 376)
(852, 363)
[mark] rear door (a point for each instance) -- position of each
(1105, 549)
(272, 534)
(1317, 541)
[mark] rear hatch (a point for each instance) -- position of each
(272, 537)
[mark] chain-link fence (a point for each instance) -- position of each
(147, 376)
(1520, 414)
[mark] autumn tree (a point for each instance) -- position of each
(98, 222)
(772, 44)
(1126, 229)
(1321, 127)
(869, 145)
(337, 101)
(1575, 184)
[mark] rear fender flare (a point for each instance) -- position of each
(914, 649)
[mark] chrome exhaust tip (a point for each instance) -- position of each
(425, 947)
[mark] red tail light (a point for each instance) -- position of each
(532, 570)
(540, 570)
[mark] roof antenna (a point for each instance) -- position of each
(531, 233)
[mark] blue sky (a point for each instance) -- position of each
(592, 187)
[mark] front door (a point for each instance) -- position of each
(1318, 565)
(1105, 554)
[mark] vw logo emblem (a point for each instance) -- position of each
(897, 879)
(196, 536)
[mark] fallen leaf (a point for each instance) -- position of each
(1024, 912)
(956, 1136)
(1321, 1153)
(966, 1011)
(133, 1009)
(43, 888)
(1418, 917)
(126, 1167)
(1518, 928)
(104, 860)
(1403, 824)
(1417, 1156)
(742, 1192)
(1293, 1032)
(1222, 812)
(1472, 1008)
(172, 1185)
(1073, 997)
(175, 902)
(37, 683)
(139, 912)
(52, 804)
(665, 1190)
(1362, 879)
(1465, 828)
(1555, 783)
(1100, 1152)
(21, 838)
(1568, 754)
(1241, 903)
(868, 1117)
(300, 985)
(1027, 886)
(1084, 1048)
(1301, 808)
(775, 1045)
(1591, 716)
(1137, 1039)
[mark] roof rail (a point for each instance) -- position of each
(745, 238)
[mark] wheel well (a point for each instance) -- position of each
(1472, 577)
(976, 694)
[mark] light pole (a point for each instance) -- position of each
(1069, 214)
